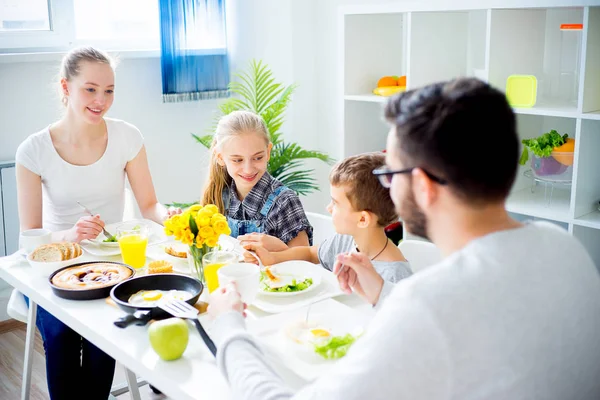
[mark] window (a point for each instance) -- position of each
(24, 15)
(113, 23)
(57, 25)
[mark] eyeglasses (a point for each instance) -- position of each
(385, 176)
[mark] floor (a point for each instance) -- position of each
(12, 345)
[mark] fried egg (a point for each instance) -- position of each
(276, 280)
(149, 298)
(308, 333)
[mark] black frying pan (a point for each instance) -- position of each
(85, 294)
(140, 315)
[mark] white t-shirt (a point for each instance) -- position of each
(513, 315)
(99, 186)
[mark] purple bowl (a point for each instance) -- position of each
(547, 166)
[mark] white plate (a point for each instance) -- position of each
(48, 268)
(328, 288)
(272, 334)
(299, 270)
(98, 248)
(229, 243)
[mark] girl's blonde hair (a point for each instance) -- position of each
(230, 125)
(70, 66)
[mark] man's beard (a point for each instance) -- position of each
(413, 218)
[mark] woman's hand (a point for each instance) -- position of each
(269, 243)
(85, 228)
(173, 211)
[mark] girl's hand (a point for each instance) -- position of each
(265, 256)
(85, 228)
(269, 243)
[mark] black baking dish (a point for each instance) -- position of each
(86, 294)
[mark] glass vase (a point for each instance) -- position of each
(195, 255)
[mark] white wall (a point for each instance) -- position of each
(296, 38)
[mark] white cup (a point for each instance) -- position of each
(245, 275)
(32, 238)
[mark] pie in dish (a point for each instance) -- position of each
(91, 276)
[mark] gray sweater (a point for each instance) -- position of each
(513, 315)
(391, 271)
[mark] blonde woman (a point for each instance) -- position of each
(82, 157)
(259, 208)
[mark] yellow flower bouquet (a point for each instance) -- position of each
(199, 227)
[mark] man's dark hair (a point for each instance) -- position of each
(463, 131)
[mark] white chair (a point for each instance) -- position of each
(17, 309)
(322, 227)
(420, 254)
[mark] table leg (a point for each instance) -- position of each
(28, 357)
(134, 391)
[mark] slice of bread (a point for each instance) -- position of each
(66, 250)
(48, 253)
(177, 250)
(72, 249)
(78, 250)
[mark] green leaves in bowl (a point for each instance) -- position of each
(543, 145)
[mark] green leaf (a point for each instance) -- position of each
(205, 140)
(180, 205)
(543, 145)
(256, 89)
(193, 226)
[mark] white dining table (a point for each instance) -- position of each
(193, 376)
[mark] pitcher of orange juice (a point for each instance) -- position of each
(133, 241)
(211, 263)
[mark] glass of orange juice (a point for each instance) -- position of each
(211, 263)
(133, 241)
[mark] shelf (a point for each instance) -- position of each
(372, 98)
(536, 205)
(549, 109)
(591, 220)
(591, 115)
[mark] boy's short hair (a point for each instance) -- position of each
(363, 188)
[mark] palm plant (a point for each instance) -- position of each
(258, 92)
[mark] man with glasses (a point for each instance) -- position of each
(513, 310)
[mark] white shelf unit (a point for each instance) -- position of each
(491, 40)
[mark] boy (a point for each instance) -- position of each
(361, 209)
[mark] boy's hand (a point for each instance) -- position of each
(271, 243)
(265, 256)
(359, 276)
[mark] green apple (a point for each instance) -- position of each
(169, 338)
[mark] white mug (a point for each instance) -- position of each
(245, 275)
(32, 238)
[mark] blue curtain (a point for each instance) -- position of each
(193, 50)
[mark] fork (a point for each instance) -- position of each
(106, 233)
(181, 309)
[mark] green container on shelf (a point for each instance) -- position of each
(521, 90)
